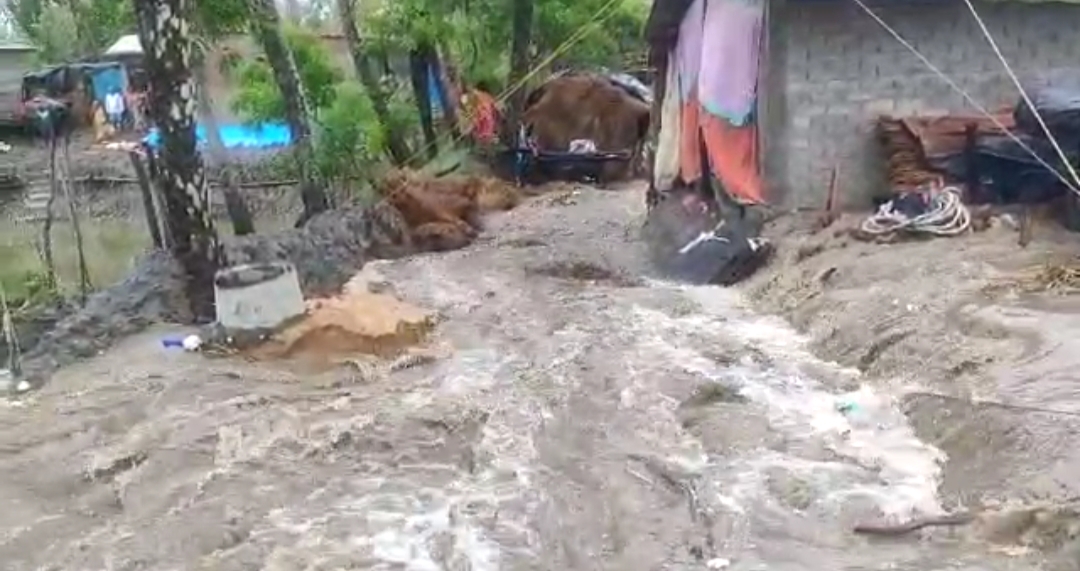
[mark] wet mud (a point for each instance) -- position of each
(576, 420)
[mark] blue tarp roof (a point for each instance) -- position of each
(260, 136)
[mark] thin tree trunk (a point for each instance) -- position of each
(395, 143)
(239, 214)
(418, 73)
(46, 230)
(76, 228)
(148, 199)
(652, 196)
(163, 29)
(519, 67)
(266, 27)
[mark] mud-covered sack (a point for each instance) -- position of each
(690, 241)
(1059, 107)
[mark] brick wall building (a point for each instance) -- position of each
(832, 69)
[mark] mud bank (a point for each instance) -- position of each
(937, 323)
(326, 251)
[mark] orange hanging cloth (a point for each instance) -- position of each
(485, 116)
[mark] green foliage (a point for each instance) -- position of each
(65, 30)
(605, 44)
(350, 137)
(30, 289)
(102, 22)
(259, 98)
(476, 33)
(219, 18)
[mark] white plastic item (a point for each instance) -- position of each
(257, 296)
(191, 343)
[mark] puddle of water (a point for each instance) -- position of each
(1047, 377)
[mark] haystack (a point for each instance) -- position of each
(445, 213)
(588, 106)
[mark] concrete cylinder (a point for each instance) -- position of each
(257, 296)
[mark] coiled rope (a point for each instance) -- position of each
(946, 216)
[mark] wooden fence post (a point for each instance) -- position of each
(148, 199)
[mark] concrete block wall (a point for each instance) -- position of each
(833, 70)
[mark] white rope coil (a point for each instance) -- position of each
(946, 216)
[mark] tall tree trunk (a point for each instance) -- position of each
(447, 92)
(395, 143)
(163, 28)
(266, 27)
(239, 214)
(418, 74)
(519, 67)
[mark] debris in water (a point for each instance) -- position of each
(585, 272)
(357, 322)
(188, 343)
(191, 343)
(1059, 278)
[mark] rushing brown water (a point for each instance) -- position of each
(586, 418)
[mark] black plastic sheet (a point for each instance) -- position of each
(690, 240)
(1059, 107)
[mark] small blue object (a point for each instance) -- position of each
(172, 342)
(846, 407)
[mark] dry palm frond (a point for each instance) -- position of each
(1049, 277)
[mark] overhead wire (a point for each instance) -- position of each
(605, 12)
(1023, 93)
(967, 97)
(602, 15)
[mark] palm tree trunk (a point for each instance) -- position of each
(419, 74)
(519, 67)
(266, 27)
(239, 213)
(446, 93)
(163, 29)
(395, 143)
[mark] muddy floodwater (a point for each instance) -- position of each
(585, 417)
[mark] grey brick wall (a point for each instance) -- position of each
(832, 69)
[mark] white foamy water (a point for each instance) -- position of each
(863, 426)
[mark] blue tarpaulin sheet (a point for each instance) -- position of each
(260, 136)
(106, 81)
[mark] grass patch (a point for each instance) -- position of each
(110, 245)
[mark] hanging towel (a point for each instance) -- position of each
(666, 161)
(728, 77)
(733, 158)
(688, 50)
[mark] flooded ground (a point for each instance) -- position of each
(111, 215)
(115, 234)
(585, 418)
